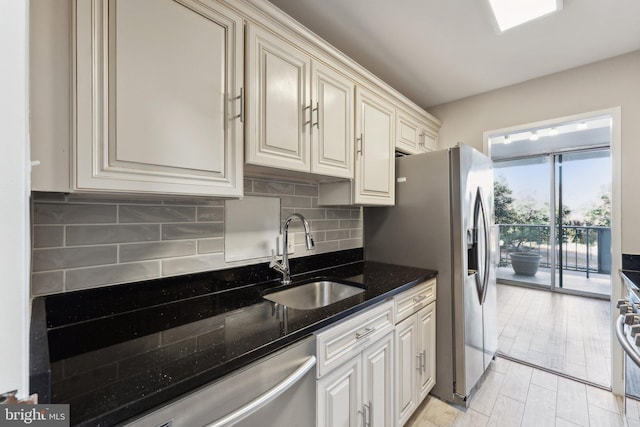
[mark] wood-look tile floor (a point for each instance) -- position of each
(565, 333)
(514, 395)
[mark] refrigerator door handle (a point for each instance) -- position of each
(479, 210)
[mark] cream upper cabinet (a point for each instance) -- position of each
(375, 155)
(300, 112)
(332, 122)
(157, 98)
(414, 135)
(408, 133)
(278, 102)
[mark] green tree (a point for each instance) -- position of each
(505, 210)
(600, 215)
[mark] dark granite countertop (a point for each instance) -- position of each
(118, 352)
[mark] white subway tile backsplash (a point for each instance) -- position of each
(82, 241)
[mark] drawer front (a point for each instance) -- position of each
(414, 299)
(339, 343)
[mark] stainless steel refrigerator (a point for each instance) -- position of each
(443, 220)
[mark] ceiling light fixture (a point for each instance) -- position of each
(511, 13)
(534, 136)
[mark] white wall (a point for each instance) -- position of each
(597, 86)
(14, 188)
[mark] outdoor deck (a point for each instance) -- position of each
(574, 280)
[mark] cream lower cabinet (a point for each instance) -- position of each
(156, 103)
(355, 371)
(415, 348)
(299, 111)
(360, 391)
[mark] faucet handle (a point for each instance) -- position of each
(273, 261)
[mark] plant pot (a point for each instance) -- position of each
(525, 263)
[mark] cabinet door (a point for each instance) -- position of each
(377, 383)
(332, 122)
(375, 160)
(429, 139)
(427, 350)
(408, 133)
(278, 106)
(406, 337)
(157, 97)
(340, 396)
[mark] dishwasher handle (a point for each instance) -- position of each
(622, 339)
(265, 398)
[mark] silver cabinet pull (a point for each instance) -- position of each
(266, 397)
(423, 360)
(419, 299)
(419, 364)
(367, 331)
(360, 144)
(241, 99)
(367, 415)
(317, 111)
(310, 108)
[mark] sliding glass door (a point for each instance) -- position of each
(583, 221)
(553, 214)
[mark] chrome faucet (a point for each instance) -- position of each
(283, 266)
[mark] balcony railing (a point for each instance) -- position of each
(584, 248)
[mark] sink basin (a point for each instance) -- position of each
(313, 295)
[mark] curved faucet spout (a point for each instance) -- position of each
(283, 266)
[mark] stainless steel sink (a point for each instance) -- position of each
(313, 295)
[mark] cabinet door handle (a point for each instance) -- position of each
(310, 108)
(367, 331)
(419, 299)
(367, 415)
(360, 144)
(317, 123)
(419, 364)
(423, 360)
(241, 99)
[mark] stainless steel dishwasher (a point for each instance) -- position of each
(277, 390)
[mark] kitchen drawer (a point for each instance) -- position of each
(339, 343)
(414, 299)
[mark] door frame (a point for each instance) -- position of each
(617, 356)
(15, 247)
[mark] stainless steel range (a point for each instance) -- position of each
(628, 324)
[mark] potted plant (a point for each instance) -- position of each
(525, 263)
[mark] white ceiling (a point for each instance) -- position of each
(436, 51)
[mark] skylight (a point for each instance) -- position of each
(510, 13)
